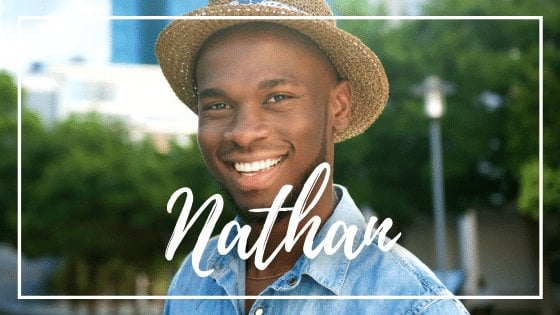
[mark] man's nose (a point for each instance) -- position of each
(248, 126)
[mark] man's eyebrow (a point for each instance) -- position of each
(265, 84)
(271, 83)
(211, 92)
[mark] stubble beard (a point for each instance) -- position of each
(260, 217)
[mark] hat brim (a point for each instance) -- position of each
(178, 44)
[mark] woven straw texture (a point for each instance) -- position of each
(178, 45)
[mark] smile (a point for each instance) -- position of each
(250, 169)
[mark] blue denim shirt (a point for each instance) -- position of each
(373, 272)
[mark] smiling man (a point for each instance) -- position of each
(272, 123)
(273, 97)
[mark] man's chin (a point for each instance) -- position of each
(250, 217)
(259, 218)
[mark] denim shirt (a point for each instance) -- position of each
(374, 272)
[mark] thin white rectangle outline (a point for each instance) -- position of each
(373, 297)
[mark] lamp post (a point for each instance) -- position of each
(433, 90)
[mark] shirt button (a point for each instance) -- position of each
(259, 311)
(292, 281)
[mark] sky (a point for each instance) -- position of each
(53, 40)
(74, 32)
(69, 29)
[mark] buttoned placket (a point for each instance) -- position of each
(285, 283)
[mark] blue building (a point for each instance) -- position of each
(133, 40)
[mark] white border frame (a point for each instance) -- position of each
(374, 297)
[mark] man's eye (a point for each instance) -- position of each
(277, 98)
(217, 106)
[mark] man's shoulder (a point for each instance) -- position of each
(393, 272)
(187, 282)
(398, 272)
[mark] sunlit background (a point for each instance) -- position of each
(105, 142)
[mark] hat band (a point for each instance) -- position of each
(268, 3)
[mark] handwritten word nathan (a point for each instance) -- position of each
(300, 210)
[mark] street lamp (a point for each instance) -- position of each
(433, 97)
(434, 90)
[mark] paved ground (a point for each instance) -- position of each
(34, 274)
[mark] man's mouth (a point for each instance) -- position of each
(252, 168)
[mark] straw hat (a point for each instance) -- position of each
(178, 45)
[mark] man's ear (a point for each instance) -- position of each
(341, 105)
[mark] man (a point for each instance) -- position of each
(272, 99)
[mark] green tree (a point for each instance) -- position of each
(98, 200)
(8, 159)
(491, 127)
(491, 123)
(521, 93)
(94, 198)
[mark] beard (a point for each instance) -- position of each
(260, 217)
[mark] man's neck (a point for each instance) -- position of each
(258, 280)
(285, 260)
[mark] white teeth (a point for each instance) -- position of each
(257, 165)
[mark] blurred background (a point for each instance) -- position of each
(105, 142)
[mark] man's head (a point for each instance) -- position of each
(179, 43)
(270, 103)
(272, 99)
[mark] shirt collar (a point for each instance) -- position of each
(327, 270)
(221, 263)
(330, 270)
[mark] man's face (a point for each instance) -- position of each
(263, 114)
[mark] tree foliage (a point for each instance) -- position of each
(490, 128)
(98, 200)
(8, 159)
